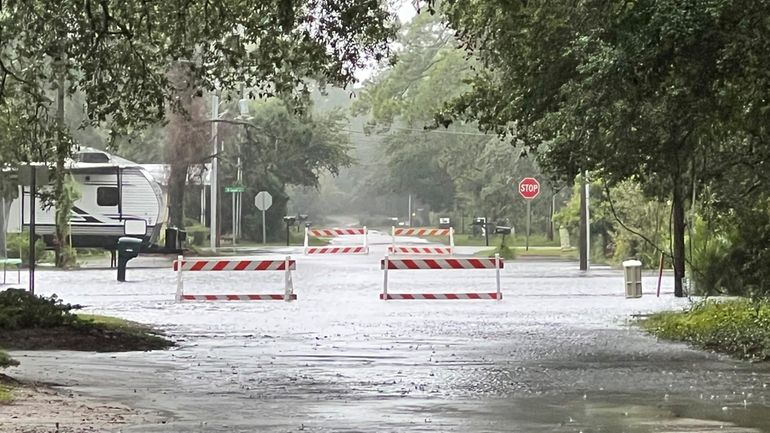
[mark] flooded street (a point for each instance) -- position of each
(557, 354)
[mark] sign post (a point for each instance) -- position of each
(32, 176)
(236, 191)
(263, 200)
(529, 188)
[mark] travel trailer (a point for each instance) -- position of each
(112, 191)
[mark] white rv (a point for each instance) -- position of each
(112, 191)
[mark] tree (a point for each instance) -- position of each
(457, 167)
(282, 148)
(629, 90)
(187, 142)
(119, 53)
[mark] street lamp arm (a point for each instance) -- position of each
(235, 122)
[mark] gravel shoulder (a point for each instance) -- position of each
(42, 409)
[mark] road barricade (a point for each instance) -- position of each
(329, 249)
(181, 266)
(422, 232)
(424, 263)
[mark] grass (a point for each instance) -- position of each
(113, 323)
(738, 327)
(533, 252)
(466, 240)
(5, 394)
(295, 239)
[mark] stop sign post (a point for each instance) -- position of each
(529, 188)
(263, 200)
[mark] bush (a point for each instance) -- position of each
(7, 361)
(197, 235)
(732, 256)
(19, 242)
(737, 327)
(21, 310)
(711, 271)
(504, 250)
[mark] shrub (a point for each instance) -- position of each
(711, 271)
(197, 235)
(504, 250)
(19, 243)
(731, 255)
(7, 361)
(20, 310)
(737, 327)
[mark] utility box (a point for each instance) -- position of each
(632, 273)
(128, 248)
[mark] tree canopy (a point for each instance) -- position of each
(456, 167)
(124, 59)
(644, 90)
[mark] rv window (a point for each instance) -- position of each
(107, 196)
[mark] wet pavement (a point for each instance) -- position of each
(557, 354)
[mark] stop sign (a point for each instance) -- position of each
(529, 188)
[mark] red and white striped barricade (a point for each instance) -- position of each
(424, 263)
(329, 249)
(421, 232)
(287, 265)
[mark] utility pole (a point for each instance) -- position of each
(410, 210)
(588, 220)
(583, 242)
(213, 233)
(32, 237)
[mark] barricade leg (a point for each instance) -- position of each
(307, 243)
(497, 276)
(288, 283)
(451, 240)
(385, 281)
(366, 240)
(179, 282)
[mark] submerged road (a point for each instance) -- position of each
(557, 354)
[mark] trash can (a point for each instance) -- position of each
(632, 272)
(128, 248)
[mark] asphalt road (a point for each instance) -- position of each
(558, 354)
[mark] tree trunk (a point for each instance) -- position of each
(177, 180)
(62, 151)
(678, 233)
(3, 226)
(187, 140)
(549, 225)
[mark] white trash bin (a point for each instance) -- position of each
(632, 272)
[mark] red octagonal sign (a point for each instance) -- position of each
(529, 188)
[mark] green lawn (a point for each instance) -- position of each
(462, 240)
(5, 389)
(5, 394)
(113, 323)
(534, 252)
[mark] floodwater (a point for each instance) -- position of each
(559, 353)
